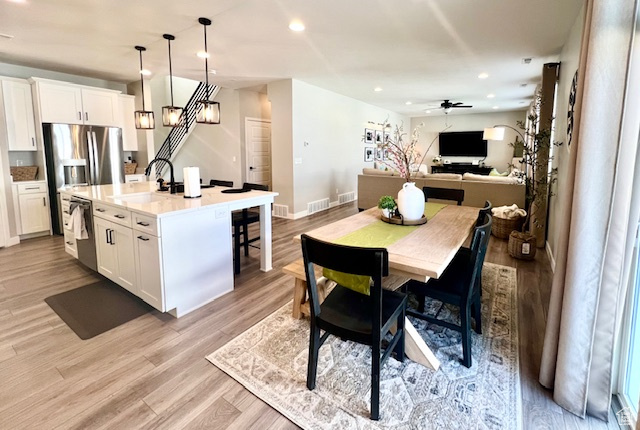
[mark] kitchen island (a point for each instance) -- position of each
(174, 253)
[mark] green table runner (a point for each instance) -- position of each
(378, 234)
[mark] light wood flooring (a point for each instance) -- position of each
(151, 372)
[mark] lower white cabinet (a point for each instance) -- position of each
(148, 257)
(115, 253)
(34, 212)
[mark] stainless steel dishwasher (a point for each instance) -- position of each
(86, 247)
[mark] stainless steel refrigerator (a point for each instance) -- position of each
(80, 155)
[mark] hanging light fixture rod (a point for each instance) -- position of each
(209, 112)
(171, 115)
(143, 118)
(169, 38)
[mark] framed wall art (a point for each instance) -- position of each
(369, 153)
(369, 135)
(378, 137)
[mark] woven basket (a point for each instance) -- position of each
(24, 173)
(522, 245)
(130, 168)
(502, 227)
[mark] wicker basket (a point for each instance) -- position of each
(130, 168)
(522, 245)
(24, 173)
(502, 227)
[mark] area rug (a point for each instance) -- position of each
(97, 308)
(270, 360)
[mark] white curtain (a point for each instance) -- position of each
(598, 208)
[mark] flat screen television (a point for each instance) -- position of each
(463, 144)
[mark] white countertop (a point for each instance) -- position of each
(170, 203)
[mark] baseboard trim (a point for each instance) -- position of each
(552, 260)
(12, 241)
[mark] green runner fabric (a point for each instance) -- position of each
(375, 235)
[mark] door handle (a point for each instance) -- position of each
(80, 115)
(69, 243)
(143, 238)
(107, 232)
(99, 210)
(86, 116)
(142, 223)
(251, 168)
(119, 216)
(44, 202)
(111, 237)
(33, 141)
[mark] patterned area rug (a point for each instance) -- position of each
(270, 360)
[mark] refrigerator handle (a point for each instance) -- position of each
(92, 160)
(96, 164)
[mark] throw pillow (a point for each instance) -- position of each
(494, 172)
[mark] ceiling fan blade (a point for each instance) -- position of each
(456, 104)
(462, 106)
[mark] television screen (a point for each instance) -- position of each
(463, 144)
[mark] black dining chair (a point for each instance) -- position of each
(351, 315)
(241, 219)
(443, 194)
(458, 286)
(221, 183)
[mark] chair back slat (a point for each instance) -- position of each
(455, 195)
(221, 183)
(479, 245)
(258, 187)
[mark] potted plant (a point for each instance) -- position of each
(388, 206)
(535, 146)
(404, 157)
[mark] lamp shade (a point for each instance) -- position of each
(208, 112)
(171, 116)
(493, 133)
(144, 120)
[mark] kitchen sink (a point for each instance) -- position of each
(148, 197)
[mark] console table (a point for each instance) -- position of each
(461, 168)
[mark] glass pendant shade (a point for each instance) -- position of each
(144, 120)
(208, 112)
(171, 116)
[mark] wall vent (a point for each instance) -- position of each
(317, 206)
(281, 211)
(346, 197)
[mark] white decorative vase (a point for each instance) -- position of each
(411, 202)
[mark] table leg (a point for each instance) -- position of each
(299, 297)
(415, 348)
(265, 237)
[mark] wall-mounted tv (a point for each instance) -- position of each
(462, 144)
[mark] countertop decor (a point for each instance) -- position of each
(24, 173)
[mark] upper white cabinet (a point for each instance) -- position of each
(74, 104)
(127, 122)
(18, 113)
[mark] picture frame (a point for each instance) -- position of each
(378, 153)
(385, 154)
(369, 153)
(369, 135)
(379, 137)
(387, 137)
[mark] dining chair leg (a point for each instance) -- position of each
(399, 349)
(245, 234)
(421, 301)
(375, 381)
(465, 317)
(477, 310)
(314, 347)
(236, 249)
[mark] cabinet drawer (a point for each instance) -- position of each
(118, 215)
(39, 187)
(65, 220)
(145, 223)
(70, 246)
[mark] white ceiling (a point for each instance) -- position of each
(421, 51)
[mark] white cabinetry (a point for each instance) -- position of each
(114, 247)
(34, 207)
(127, 122)
(74, 104)
(18, 112)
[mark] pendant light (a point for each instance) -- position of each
(208, 111)
(171, 115)
(144, 118)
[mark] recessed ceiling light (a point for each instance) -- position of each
(17, 1)
(377, 89)
(496, 107)
(427, 111)
(490, 96)
(213, 71)
(145, 72)
(408, 103)
(483, 75)
(202, 54)
(296, 26)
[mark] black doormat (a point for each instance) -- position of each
(97, 308)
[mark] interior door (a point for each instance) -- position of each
(258, 143)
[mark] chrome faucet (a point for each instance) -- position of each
(172, 185)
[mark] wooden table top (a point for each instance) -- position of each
(426, 252)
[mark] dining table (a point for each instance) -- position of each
(415, 252)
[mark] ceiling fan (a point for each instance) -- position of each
(447, 106)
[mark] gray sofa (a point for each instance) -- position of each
(477, 189)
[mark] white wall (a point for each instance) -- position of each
(327, 142)
(569, 58)
(280, 94)
(499, 153)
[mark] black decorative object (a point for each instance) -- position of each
(572, 103)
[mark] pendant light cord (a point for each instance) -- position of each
(206, 62)
(141, 80)
(170, 72)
